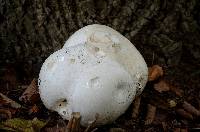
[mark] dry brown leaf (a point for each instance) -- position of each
(176, 90)
(69, 125)
(136, 106)
(31, 94)
(74, 123)
(5, 114)
(91, 126)
(191, 109)
(184, 114)
(4, 100)
(151, 112)
(161, 86)
(34, 109)
(155, 72)
(9, 107)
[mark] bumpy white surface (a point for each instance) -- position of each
(98, 71)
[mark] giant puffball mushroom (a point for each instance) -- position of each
(97, 72)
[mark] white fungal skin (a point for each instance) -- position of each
(98, 71)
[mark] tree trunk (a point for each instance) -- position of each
(165, 32)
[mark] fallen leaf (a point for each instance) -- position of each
(151, 112)
(136, 106)
(155, 72)
(92, 124)
(34, 109)
(176, 90)
(191, 109)
(5, 114)
(8, 107)
(4, 100)
(74, 123)
(184, 114)
(162, 86)
(31, 94)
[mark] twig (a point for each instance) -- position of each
(74, 123)
(136, 106)
(151, 112)
(184, 114)
(191, 109)
(92, 124)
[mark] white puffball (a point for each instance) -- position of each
(98, 71)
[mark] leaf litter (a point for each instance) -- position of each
(164, 103)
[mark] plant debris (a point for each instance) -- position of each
(161, 86)
(4, 100)
(31, 94)
(136, 106)
(184, 114)
(5, 114)
(92, 124)
(191, 109)
(18, 124)
(8, 107)
(155, 72)
(74, 123)
(58, 126)
(151, 112)
(166, 103)
(33, 109)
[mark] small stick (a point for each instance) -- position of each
(184, 114)
(92, 124)
(5, 100)
(191, 109)
(69, 125)
(136, 106)
(74, 123)
(151, 112)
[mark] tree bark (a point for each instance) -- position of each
(165, 32)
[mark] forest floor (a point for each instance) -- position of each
(169, 102)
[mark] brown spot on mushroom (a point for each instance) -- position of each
(72, 60)
(96, 49)
(50, 64)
